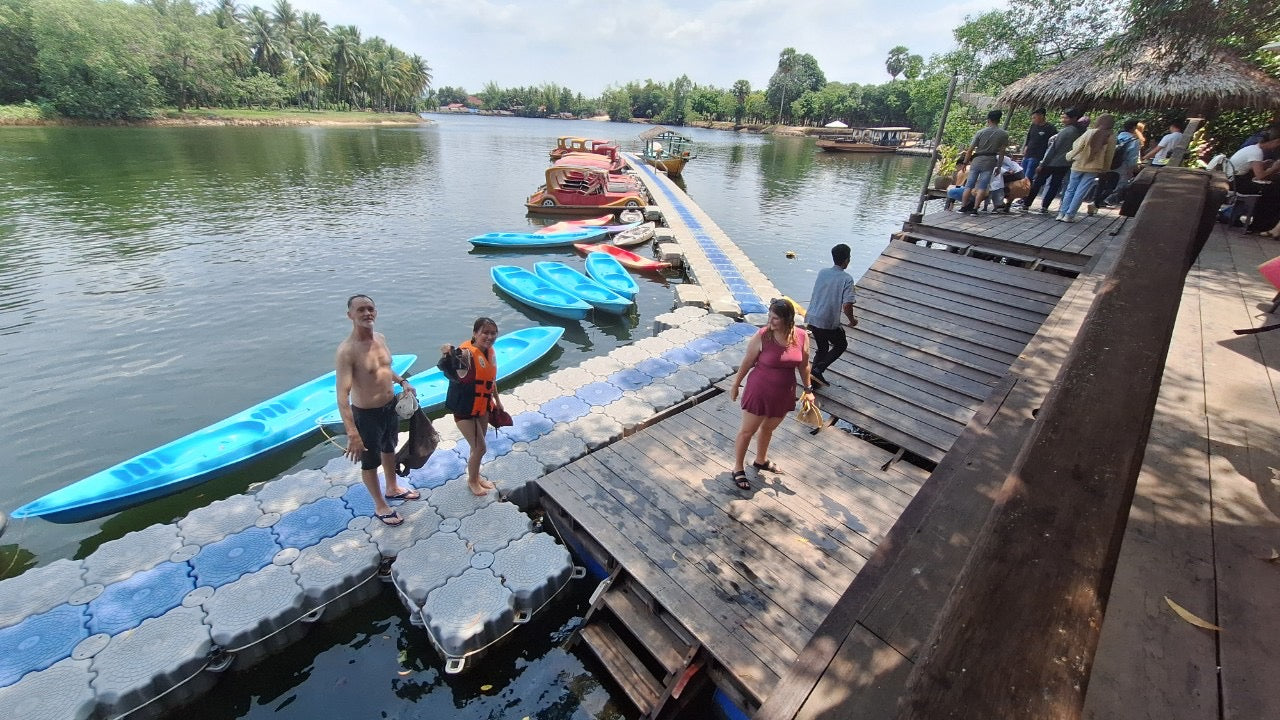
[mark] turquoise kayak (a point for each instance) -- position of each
(194, 458)
(600, 297)
(513, 352)
(606, 270)
(538, 293)
(530, 240)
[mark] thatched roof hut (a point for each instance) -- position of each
(1138, 78)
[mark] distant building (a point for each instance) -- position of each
(475, 102)
(453, 107)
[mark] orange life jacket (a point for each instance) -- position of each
(485, 373)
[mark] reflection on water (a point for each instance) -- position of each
(153, 281)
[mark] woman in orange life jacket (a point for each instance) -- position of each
(472, 371)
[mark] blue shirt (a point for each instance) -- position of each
(831, 291)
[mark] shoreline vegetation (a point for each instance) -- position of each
(29, 116)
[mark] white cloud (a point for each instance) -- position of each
(588, 45)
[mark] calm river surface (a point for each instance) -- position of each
(156, 280)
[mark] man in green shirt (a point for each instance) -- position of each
(985, 155)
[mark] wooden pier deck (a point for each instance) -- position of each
(1031, 238)
(936, 332)
(749, 574)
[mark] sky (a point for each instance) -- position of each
(588, 45)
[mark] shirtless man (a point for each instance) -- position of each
(367, 404)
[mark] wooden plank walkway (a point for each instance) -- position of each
(1020, 236)
(752, 574)
(1205, 514)
(936, 332)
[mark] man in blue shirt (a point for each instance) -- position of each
(832, 294)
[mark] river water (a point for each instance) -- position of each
(156, 280)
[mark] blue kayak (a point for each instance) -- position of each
(606, 270)
(513, 352)
(600, 297)
(194, 458)
(529, 240)
(538, 293)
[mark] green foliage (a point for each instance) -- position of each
(796, 74)
(19, 77)
(896, 62)
(27, 111)
(947, 157)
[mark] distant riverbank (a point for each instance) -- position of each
(28, 115)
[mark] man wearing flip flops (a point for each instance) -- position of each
(366, 401)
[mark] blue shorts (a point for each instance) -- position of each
(979, 180)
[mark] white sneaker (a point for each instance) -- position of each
(1018, 203)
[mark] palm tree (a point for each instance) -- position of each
(418, 77)
(741, 89)
(313, 34)
(286, 20)
(312, 76)
(345, 57)
(268, 50)
(226, 14)
(786, 66)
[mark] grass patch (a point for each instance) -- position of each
(26, 113)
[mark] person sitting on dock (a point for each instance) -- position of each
(367, 403)
(985, 154)
(773, 356)
(832, 294)
(472, 370)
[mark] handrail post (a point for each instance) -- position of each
(918, 215)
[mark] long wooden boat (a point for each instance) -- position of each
(512, 352)
(198, 456)
(865, 140)
(538, 293)
(528, 240)
(666, 149)
(604, 269)
(600, 297)
(624, 256)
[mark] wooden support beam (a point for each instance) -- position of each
(1017, 636)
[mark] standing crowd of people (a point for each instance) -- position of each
(1081, 162)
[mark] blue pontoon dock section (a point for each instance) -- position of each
(153, 615)
(727, 281)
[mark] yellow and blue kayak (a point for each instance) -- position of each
(194, 458)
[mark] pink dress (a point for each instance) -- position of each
(771, 384)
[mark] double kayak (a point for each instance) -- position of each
(624, 256)
(196, 457)
(538, 293)
(523, 240)
(599, 296)
(607, 271)
(513, 352)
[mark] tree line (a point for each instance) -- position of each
(108, 59)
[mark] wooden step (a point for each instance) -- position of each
(623, 665)
(649, 629)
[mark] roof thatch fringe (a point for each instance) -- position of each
(1138, 78)
(659, 130)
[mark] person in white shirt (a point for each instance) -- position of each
(1159, 155)
(1249, 164)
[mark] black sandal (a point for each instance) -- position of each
(740, 477)
(767, 466)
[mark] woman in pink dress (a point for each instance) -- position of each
(773, 356)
